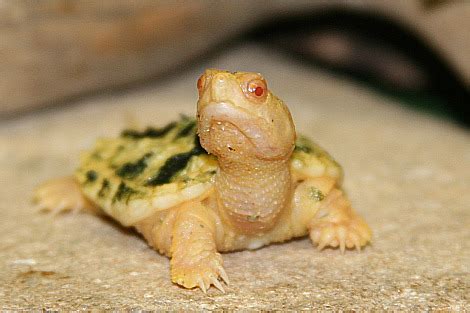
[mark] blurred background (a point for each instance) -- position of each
(56, 51)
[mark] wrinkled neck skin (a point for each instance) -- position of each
(253, 194)
(251, 190)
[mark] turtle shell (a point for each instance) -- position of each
(141, 172)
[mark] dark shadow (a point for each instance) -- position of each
(369, 37)
(436, 87)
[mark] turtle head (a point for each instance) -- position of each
(238, 113)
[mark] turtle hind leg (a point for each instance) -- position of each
(62, 195)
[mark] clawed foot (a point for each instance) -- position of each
(59, 195)
(349, 234)
(203, 273)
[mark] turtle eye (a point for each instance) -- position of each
(256, 88)
(201, 83)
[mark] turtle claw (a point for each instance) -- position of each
(223, 274)
(325, 238)
(217, 284)
(347, 234)
(200, 283)
(203, 273)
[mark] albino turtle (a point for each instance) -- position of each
(241, 181)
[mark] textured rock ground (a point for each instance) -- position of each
(406, 172)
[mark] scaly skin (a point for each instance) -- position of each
(255, 200)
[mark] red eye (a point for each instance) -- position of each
(259, 91)
(200, 83)
(257, 88)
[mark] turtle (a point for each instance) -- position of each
(237, 176)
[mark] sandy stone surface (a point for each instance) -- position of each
(407, 173)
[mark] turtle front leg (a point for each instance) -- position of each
(60, 195)
(331, 221)
(195, 261)
(336, 224)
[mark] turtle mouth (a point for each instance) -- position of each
(225, 111)
(256, 129)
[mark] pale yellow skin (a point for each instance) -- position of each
(255, 199)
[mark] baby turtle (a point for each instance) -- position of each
(235, 178)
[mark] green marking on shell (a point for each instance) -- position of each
(175, 164)
(186, 130)
(150, 132)
(105, 188)
(123, 192)
(91, 176)
(303, 147)
(316, 194)
(132, 169)
(172, 166)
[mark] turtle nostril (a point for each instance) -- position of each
(220, 79)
